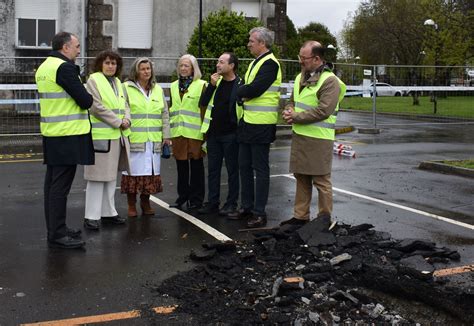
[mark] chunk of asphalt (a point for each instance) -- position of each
(202, 254)
(409, 245)
(270, 244)
(417, 267)
(342, 295)
(316, 233)
(221, 246)
(359, 228)
(348, 241)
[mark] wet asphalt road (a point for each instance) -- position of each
(120, 265)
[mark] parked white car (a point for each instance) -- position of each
(384, 89)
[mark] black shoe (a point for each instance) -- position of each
(91, 224)
(176, 205)
(73, 233)
(244, 213)
(117, 219)
(229, 211)
(209, 208)
(66, 243)
(257, 221)
(194, 206)
(294, 221)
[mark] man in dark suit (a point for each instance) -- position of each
(66, 131)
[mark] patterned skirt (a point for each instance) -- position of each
(146, 185)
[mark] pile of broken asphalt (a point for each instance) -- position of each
(311, 275)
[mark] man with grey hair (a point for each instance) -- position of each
(260, 95)
(66, 131)
(312, 112)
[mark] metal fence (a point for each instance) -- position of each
(422, 93)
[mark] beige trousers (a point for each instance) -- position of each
(304, 191)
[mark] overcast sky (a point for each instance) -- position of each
(331, 13)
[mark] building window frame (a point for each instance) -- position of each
(38, 44)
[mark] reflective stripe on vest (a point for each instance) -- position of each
(307, 100)
(111, 101)
(263, 109)
(208, 115)
(185, 114)
(59, 114)
(146, 113)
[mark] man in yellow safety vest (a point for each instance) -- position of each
(312, 112)
(66, 131)
(260, 95)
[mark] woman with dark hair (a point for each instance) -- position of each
(186, 120)
(110, 119)
(150, 130)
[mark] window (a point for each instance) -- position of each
(250, 8)
(35, 32)
(36, 22)
(135, 23)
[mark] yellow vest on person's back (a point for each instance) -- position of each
(146, 113)
(307, 100)
(59, 113)
(207, 116)
(111, 101)
(265, 108)
(185, 114)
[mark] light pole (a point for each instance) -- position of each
(356, 59)
(200, 29)
(431, 23)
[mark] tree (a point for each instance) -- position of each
(293, 41)
(392, 32)
(319, 32)
(223, 31)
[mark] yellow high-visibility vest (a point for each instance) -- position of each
(207, 116)
(115, 103)
(146, 113)
(185, 114)
(307, 100)
(59, 113)
(265, 108)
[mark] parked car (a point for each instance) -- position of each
(384, 89)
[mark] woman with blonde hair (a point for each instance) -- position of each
(185, 120)
(150, 131)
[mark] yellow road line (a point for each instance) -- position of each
(454, 270)
(22, 161)
(102, 318)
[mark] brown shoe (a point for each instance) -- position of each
(132, 208)
(145, 205)
(257, 221)
(294, 221)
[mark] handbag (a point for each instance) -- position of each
(165, 151)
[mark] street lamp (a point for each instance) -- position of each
(200, 29)
(356, 59)
(431, 23)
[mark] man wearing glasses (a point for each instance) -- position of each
(312, 112)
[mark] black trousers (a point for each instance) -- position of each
(191, 184)
(57, 185)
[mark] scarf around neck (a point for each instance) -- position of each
(184, 83)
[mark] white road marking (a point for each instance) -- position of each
(200, 224)
(413, 210)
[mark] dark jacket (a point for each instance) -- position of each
(224, 116)
(70, 150)
(258, 133)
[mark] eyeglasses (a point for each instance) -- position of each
(303, 58)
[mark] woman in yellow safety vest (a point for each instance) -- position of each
(185, 121)
(150, 130)
(110, 128)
